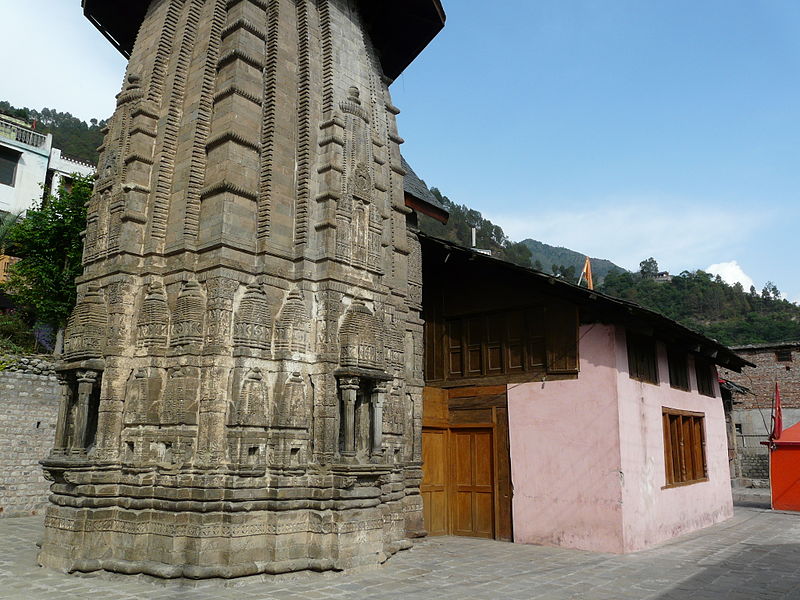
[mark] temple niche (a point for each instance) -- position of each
(237, 392)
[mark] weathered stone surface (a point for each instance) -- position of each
(28, 410)
(243, 308)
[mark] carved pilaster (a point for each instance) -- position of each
(349, 387)
(86, 382)
(211, 430)
(378, 399)
(219, 311)
(109, 416)
(64, 403)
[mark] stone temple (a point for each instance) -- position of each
(242, 376)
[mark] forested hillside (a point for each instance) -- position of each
(459, 230)
(546, 257)
(75, 138)
(707, 304)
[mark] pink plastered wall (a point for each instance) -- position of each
(565, 459)
(587, 455)
(653, 514)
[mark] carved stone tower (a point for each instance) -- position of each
(242, 378)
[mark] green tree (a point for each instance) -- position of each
(7, 222)
(49, 245)
(648, 268)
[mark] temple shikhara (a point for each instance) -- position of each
(243, 372)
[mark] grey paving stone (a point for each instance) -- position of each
(754, 556)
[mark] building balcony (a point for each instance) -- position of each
(10, 130)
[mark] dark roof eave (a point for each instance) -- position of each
(427, 209)
(584, 295)
(400, 29)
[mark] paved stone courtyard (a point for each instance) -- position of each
(755, 555)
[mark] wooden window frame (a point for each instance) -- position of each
(684, 435)
(638, 344)
(783, 355)
(703, 371)
(678, 362)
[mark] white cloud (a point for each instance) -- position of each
(680, 235)
(731, 273)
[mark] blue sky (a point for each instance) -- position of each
(620, 128)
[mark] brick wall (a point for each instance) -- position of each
(28, 410)
(761, 380)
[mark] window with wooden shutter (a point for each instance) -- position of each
(684, 447)
(562, 338)
(512, 342)
(705, 377)
(642, 357)
(678, 369)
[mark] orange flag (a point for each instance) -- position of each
(587, 274)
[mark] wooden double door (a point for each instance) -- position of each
(458, 482)
(466, 473)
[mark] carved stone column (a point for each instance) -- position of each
(378, 399)
(211, 429)
(86, 381)
(349, 387)
(109, 416)
(64, 402)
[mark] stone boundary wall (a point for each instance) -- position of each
(754, 465)
(28, 410)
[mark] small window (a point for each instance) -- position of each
(8, 165)
(705, 377)
(783, 355)
(684, 447)
(642, 362)
(678, 369)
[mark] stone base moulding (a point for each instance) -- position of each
(247, 527)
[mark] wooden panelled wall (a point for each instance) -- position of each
(490, 325)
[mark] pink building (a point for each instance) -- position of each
(588, 455)
(556, 415)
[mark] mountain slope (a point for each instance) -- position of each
(548, 256)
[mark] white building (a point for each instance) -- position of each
(28, 163)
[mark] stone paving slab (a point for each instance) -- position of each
(753, 556)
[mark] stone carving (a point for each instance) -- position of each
(187, 320)
(180, 396)
(253, 401)
(86, 332)
(219, 308)
(292, 327)
(361, 339)
(291, 406)
(252, 327)
(272, 424)
(153, 321)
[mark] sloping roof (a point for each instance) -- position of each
(399, 29)
(417, 189)
(603, 307)
(769, 346)
(789, 437)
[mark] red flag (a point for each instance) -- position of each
(777, 416)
